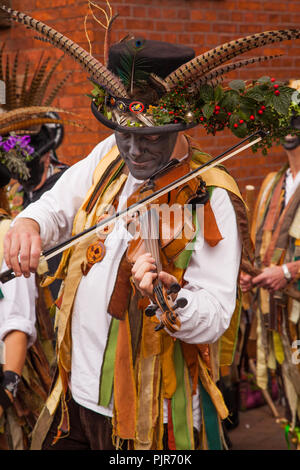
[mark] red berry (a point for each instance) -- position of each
(260, 111)
(252, 117)
(273, 79)
(235, 125)
(217, 112)
(241, 121)
(229, 114)
(202, 118)
(277, 92)
(217, 108)
(275, 86)
(263, 107)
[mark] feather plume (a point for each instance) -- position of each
(132, 71)
(217, 74)
(100, 73)
(203, 63)
(23, 94)
(33, 95)
(43, 88)
(23, 113)
(1, 66)
(13, 84)
(159, 83)
(56, 90)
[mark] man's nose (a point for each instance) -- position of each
(135, 149)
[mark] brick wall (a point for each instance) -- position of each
(202, 24)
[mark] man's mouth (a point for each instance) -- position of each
(139, 164)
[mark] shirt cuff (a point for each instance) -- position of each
(21, 325)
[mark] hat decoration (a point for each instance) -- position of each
(133, 93)
(27, 111)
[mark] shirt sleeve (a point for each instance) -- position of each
(211, 279)
(56, 209)
(17, 307)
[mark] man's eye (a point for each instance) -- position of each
(152, 138)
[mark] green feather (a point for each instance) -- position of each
(133, 68)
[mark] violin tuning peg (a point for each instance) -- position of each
(159, 327)
(150, 310)
(174, 288)
(180, 303)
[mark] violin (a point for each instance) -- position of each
(164, 229)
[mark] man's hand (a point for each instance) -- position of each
(271, 279)
(245, 282)
(144, 274)
(22, 247)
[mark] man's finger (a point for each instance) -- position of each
(143, 269)
(14, 249)
(25, 255)
(146, 284)
(35, 253)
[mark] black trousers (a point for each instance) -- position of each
(88, 430)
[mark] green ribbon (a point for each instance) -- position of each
(108, 365)
(210, 420)
(179, 404)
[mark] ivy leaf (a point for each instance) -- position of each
(237, 85)
(281, 102)
(264, 80)
(230, 100)
(208, 110)
(256, 94)
(218, 94)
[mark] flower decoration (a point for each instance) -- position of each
(15, 151)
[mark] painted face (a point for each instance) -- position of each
(291, 142)
(145, 154)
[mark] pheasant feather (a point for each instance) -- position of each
(219, 72)
(203, 63)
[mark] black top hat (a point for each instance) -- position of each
(141, 64)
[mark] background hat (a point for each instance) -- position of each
(30, 126)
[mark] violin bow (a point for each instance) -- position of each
(136, 207)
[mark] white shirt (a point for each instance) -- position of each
(17, 308)
(291, 184)
(211, 275)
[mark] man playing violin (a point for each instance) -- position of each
(120, 382)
